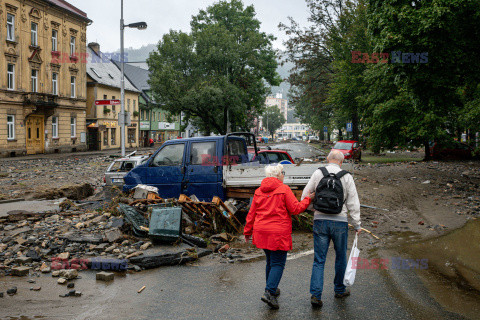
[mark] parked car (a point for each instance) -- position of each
(350, 149)
(450, 150)
(120, 167)
(273, 156)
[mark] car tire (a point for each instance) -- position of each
(360, 157)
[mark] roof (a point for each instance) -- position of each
(70, 8)
(138, 77)
(103, 71)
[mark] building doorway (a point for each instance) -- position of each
(93, 142)
(35, 134)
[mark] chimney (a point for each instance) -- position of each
(95, 47)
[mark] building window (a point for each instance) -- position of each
(158, 116)
(105, 97)
(95, 72)
(10, 27)
(34, 80)
(113, 136)
(113, 107)
(153, 115)
(54, 127)
(128, 105)
(11, 76)
(134, 105)
(73, 127)
(54, 40)
(132, 135)
(72, 46)
(11, 127)
(72, 87)
(55, 83)
(34, 34)
(105, 138)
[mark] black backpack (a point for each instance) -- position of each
(329, 192)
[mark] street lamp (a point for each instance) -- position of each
(139, 26)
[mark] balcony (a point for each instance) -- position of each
(40, 99)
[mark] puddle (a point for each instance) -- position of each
(453, 274)
(35, 206)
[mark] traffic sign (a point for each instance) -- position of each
(107, 102)
(349, 127)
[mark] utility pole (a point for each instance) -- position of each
(121, 119)
(122, 84)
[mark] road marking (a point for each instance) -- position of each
(299, 255)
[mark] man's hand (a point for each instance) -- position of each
(311, 195)
(247, 238)
(358, 231)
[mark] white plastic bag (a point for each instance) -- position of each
(350, 272)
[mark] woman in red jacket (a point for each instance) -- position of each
(269, 221)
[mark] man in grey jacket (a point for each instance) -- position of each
(333, 227)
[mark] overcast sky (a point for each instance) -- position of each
(163, 15)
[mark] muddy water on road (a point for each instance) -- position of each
(453, 274)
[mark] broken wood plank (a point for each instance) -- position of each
(367, 231)
(231, 216)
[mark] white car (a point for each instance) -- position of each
(120, 167)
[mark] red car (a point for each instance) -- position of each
(349, 148)
(266, 156)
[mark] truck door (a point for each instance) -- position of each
(166, 170)
(204, 170)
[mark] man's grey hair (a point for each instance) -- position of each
(273, 171)
(335, 156)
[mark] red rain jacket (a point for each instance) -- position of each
(269, 218)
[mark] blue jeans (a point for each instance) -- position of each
(274, 270)
(323, 232)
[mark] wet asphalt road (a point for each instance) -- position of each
(300, 150)
(212, 290)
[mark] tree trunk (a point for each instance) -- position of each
(355, 130)
(225, 120)
(427, 150)
(340, 134)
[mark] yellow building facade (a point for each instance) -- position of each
(42, 77)
(103, 83)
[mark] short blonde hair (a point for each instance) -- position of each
(274, 170)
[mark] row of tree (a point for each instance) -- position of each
(403, 72)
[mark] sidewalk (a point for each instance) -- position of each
(116, 152)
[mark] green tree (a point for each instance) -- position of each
(273, 119)
(218, 75)
(412, 102)
(325, 84)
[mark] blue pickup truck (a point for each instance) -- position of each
(211, 166)
(192, 166)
